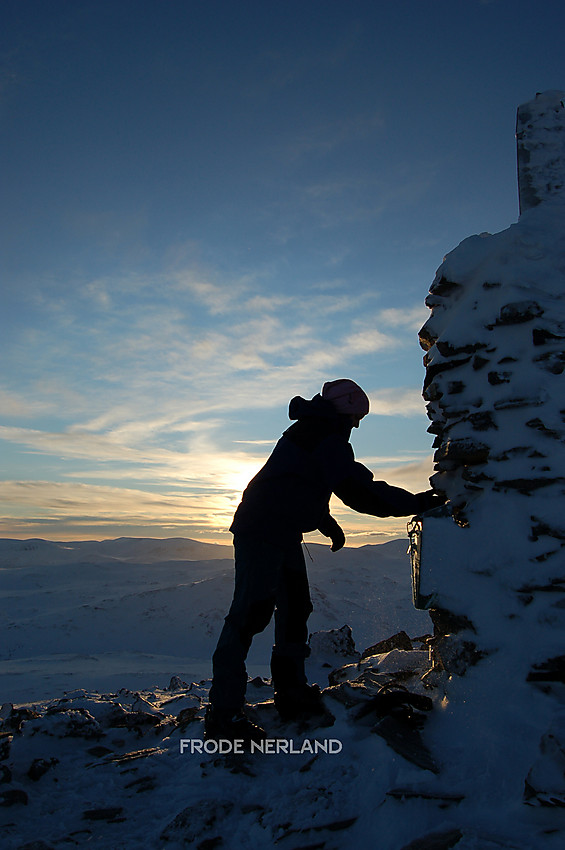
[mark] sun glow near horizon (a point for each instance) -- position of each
(254, 229)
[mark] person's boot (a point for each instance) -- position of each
(231, 728)
(299, 702)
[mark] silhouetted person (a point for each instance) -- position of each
(289, 496)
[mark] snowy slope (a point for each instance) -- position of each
(101, 765)
(108, 614)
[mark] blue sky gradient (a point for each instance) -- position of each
(208, 208)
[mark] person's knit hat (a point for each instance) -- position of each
(347, 397)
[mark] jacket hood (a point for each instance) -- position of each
(302, 408)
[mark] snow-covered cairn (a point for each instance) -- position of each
(493, 568)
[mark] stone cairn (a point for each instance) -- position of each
(492, 563)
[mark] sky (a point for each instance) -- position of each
(208, 208)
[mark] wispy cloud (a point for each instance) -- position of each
(411, 317)
(139, 391)
(397, 401)
(328, 136)
(15, 405)
(109, 508)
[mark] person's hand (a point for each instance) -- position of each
(338, 539)
(429, 500)
(330, 528)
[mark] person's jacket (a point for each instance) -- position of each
(290, 495)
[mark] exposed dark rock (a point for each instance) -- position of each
(210, 843)
(538, 425)
(447, 623)
(5, 742)
(483, 421)
(134, 755)
(541, 528)
(443, 798)
(437, 368)
(13, 797)
(444, 287)
(406, 741)
(520, 401)
(134, 719)
(436, 428)
(463, 451)
(552, 670)
(455, 655)
(397, 641)
(432, 392)
(495, 378)
(347, 693)
(526, 485)
(518, 312)
(448, 349)
(426, 337)
(541, 336)
(332, 826)
(396, 700)
(552, 361)
(98, 752)
(473, 477)
(479, 362)
(510, 453)
(17, 718)
(436, 840)
(177, 684)
(187, 715)
(450, 410)
(112, 813)
(39, 767)
(144, 783)
(554, 586)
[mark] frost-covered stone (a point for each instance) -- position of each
(545, 783)
(540, 134)
(493, 571)
(334, 642)
(198, 820)
(67, 723)
(398, 641)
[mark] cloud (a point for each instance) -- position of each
(411, 317)
(397, 401)
(140, 389)
(325, 137)
(17, 406)
(68, 502)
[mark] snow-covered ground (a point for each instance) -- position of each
(132, 613)
(91, 730)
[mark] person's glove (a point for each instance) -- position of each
(429, 500)
(338, 539)
(330, 528)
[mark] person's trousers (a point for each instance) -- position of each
(269, 577)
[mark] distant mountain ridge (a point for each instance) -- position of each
(141, 550)
(136, 611)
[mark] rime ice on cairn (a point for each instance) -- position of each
(492, 568)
